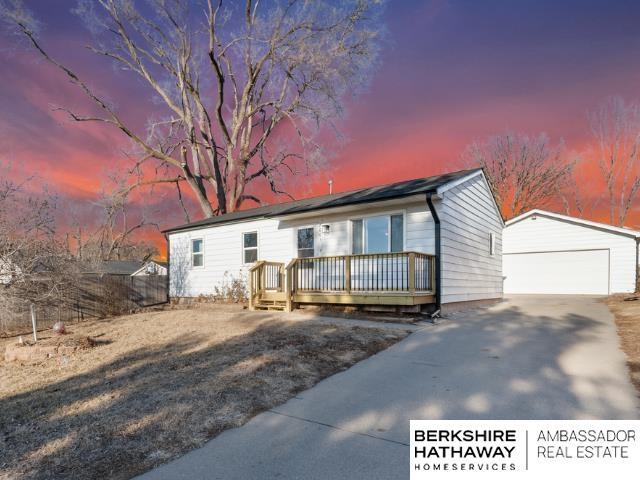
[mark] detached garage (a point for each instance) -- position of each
(545, 252)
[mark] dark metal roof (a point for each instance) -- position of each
(365, 195)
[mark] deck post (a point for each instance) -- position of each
(255, 272)
(432, 274)
(288, 290)
(252, 281)
(412, 273)
(281, 280)
(347, 273)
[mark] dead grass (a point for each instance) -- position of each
(627, 314)
(161, 384)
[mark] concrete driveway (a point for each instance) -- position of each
(551, 357)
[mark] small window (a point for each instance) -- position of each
(250, 247)
(197, 253)
(305, 242)
(492, 244)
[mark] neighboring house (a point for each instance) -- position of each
(151, 267)
(8, 271)
(545, 252)
(374, 246)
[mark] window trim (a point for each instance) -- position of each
(201, 252)
(389, 214)
(295, 239)
(243, 248)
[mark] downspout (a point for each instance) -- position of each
(436, 221)
(166, 238)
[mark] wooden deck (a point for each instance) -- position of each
(384, 279)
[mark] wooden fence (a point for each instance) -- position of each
(94, 296)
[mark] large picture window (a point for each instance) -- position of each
(250, 247)
(305, 242)
(380, 234)
(197, 252)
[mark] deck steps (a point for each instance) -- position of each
(270, 305)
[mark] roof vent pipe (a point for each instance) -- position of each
(330, 187)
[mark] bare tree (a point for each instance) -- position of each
(34, 266)
(616, 130)
(115, 235)
(580, 196)
(524, 172)
(245, 88)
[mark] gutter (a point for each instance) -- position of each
(436, 220)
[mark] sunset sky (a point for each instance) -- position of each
(451, 72)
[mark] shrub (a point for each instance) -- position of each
(232, 290)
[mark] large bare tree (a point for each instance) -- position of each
(245, 87)
(524, 172)
(616, 130)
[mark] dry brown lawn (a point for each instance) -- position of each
(627, 314)
(161, 384)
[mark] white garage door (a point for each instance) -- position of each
(567, 272)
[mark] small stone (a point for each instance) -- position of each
(59, 328)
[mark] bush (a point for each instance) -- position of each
(232, 290)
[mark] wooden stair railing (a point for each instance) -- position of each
(267, 286)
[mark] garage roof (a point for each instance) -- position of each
(579, 221)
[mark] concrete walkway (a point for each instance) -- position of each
(553, 357)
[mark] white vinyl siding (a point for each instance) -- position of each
(418, 227)
(278, 242)
(223, 254)
(468, 216)
(547, 234)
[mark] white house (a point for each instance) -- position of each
(151, 267)
(548, 253)
(374, 246)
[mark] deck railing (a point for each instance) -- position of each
(379, 272)
(403, 273)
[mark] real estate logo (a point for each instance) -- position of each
(523, 449)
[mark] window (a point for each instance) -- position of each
(379, 234)
(305, 242)
(197, 253)
(356, 228)
(250, 247)
(492, 244)
(397, 233)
